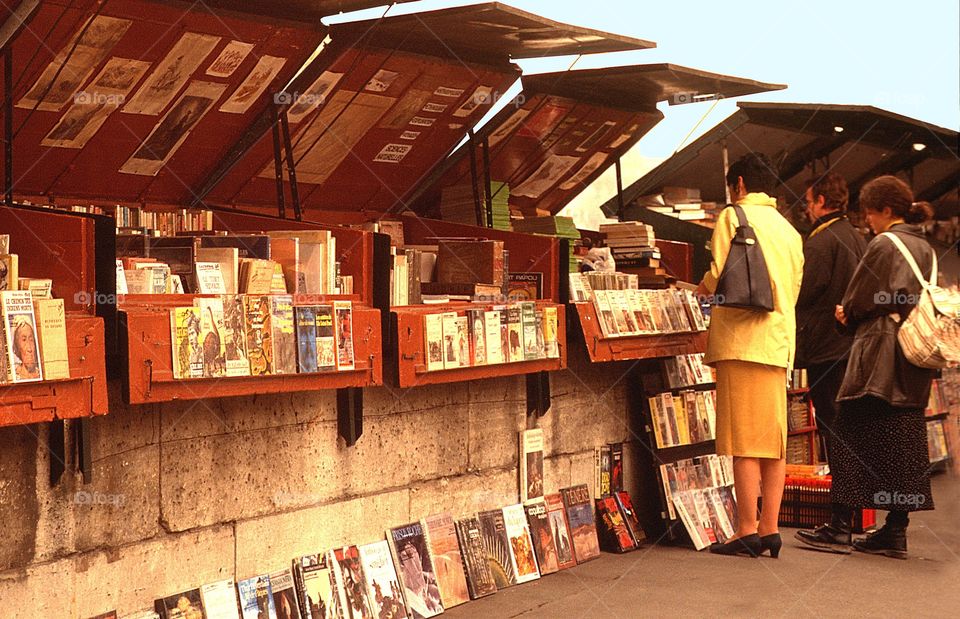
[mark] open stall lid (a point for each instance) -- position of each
(383, 104)
(805, 139)
(133, 101)
(565, 129)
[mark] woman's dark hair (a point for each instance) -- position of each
(834, 190)
(757, 171)
(890, 191)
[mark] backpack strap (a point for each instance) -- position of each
(912, 262)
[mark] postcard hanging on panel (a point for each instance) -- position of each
(507, 128)
(483, 95)
(92, 107)
(546, 176)
(171, 74)
(74, 63)
(229, 59)
(173, 129)
(584, 173)
(252, 87)
(316, 95)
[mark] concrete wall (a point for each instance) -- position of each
(188, 493)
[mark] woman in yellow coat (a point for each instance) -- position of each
(753, 351)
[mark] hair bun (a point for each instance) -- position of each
(919, 213)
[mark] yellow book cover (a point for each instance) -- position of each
(683, 429)
(185, 340)
(52, 333)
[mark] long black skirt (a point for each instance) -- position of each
(881, 459)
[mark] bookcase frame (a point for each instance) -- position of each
(809, 431)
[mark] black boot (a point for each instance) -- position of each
(889, 540)
(827, 537)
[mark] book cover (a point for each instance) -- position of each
(343, 316)
(603, 471)
(608, 325)
(23, 352)
(479, 577)
(621, 316)
(658, 422)
(560, 529)
(525, 286)
(448, 561)
(383, 586)
(9, 272)
(522, 556)
(630, 517)
(229, 261)
(433, 336)
(39, 288)
(496, 546)
(284, 594)
(286, 253)
(316, 593)
(640, 316)
(542, 535)
(670, 417)
(258, 334)
(408, 545)
(351, 583)
(326, 339)
(531, 465)
(463, 341)
(702, 511)
(550, 329)
(583, 527)
(612, 530)
(256, 598)
(211, 337)
(306, 322)
(186, 605)
(234, 338)
(718, 516)
(515, 333)
(278, 283)
(121, 278)
(210, 278)
(528, 317)
(541, 343)
(52, 336)
(185, 342)
(616, 467)
(283, 334)
(477, 335)
(578, 292)
(680, 418)
(220, 600)
(491, 322)
(451, 347)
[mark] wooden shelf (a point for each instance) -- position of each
(634, 347)
(68, 398)
(408, 367)
(149, 373)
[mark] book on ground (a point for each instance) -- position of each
(531, 465)
(256, 598)
(351, 583)
(220, 600)
(448, 562)
(542, 535)
(496, 546)
(521, 545)
(480, 580)
(284, 594)
(583, 528)
(612, 530)
(316, 591)
(560, 529)
(383, 586)
(186, 605)
(408, 545)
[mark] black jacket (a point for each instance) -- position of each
(881, 294)
(829, 260)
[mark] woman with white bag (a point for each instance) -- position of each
(882, 459)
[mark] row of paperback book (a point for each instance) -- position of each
(699, 491)
(500, 334)
(646, 312)
(687, 371)
(418, 570)
(257, 335)
(686, 418)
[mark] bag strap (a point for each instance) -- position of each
(741, 216)
(912, 262)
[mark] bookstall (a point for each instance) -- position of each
(680, 197)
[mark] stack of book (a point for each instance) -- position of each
(562, 227)
(682, 203)
(699, 491)
(687, 371)
(500, 205)
(490, 336)
(33, 332)
(684, 418)
(458, 204)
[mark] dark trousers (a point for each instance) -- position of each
(825, 380)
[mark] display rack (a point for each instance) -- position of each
(802, 438)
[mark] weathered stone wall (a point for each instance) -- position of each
(188, 493)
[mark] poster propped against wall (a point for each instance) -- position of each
(250, 90)
(92, 107)
(546, 176)
(173, 128)
(316, 95)
(73, 64)
(229, 59)
(171, 74)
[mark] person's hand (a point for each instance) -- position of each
(840, 315)
(702, 291)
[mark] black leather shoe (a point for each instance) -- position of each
(771, 542)
(888, 541)
(827, 537)
(748, 546)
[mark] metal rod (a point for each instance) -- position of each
(291, 165)
(474, 181)
(278, 164)
(726, 166)
(486, 181)
(8, 125)
(620, 205)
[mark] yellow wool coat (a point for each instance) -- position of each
(769, 338)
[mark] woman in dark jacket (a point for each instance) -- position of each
(882, 460)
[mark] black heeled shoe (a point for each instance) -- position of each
(771, 542)
(748, 546)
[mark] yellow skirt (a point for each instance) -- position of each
(751, 409)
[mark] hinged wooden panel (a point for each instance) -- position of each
(85, 347)
(149, 373)
(411, 370)
(629, 348)
(26, 403)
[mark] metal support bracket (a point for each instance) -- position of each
(291, 164)
(538, 394)
(58, 452)
(8, 125)
(620, 204)
(278, 163)
(350, 414)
